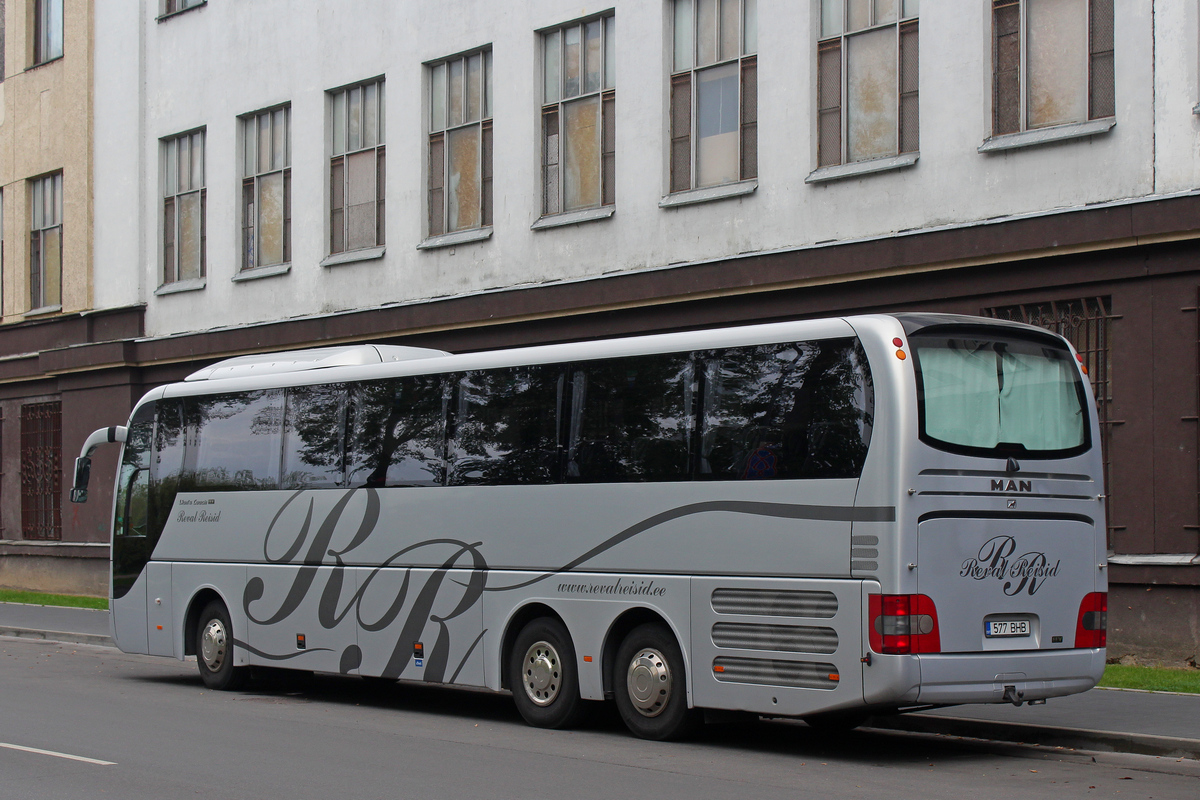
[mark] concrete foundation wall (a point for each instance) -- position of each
(56, 574)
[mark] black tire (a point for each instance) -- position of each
(837, 722)
(650, 684)
(214, 649)
(543, 676)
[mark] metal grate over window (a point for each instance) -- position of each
(1087, 324)
(41, 471)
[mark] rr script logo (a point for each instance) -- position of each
(1024, 573)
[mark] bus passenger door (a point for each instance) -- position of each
(776, 646)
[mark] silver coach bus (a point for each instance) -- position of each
(820, 519)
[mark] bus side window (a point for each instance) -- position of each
(395, 432)
(631, 420)
(166, 463)
(131, 546)
(506, 427)
(234, 441)
(313, 427)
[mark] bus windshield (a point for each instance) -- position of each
(999, 395)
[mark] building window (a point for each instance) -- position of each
(47, 30)
(45, 242)
(866, 80)
(460, 143)
(267, 188)
(356, 168)
(184, 207)
(1087, 324)
(41, 470)
(714, 93)
(175, 6)
(579, 115)
(1052, 63)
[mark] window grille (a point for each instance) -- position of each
(1087, 324)
(41, 471)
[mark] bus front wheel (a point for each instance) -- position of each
(651, 685)
(543, 677)
(214, 649)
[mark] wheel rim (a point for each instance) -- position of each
(214, 643)
(541, 673)
(649, 682)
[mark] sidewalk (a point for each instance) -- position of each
(1149, 723)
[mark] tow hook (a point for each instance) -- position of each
(1011, 695)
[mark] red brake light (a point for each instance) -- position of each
(903, 624)
(1091, 629)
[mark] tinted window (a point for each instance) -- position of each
(313, 423)
(800, 410)
(396, 433)
(237, 440)
(506, 426)
(131, 545)
(631, 420)
(166, 463)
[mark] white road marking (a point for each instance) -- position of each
(58, 755)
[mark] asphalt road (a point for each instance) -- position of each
(301, 737)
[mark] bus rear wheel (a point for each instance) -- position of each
(651, 685)
(543, 676)
(214, 649)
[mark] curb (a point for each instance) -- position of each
(58, 636)
(1078, 738)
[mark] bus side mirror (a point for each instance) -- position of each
(83, 472)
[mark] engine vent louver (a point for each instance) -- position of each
(775, 603)
(772, 672)
(778, 638)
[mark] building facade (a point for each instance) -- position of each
(274, 175)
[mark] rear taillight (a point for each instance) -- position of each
(1092, 628)
(903, 624)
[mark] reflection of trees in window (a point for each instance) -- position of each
(506, 426)
(786, 411)
(131, 546)
(631, 419)
(312, 436)
(395, 434)
(234, 441)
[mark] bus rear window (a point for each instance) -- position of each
(989, 394)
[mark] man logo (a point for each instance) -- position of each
(1012, 486)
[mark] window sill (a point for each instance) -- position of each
(856, 168)
(43, 63)
(175, 287)
(174, 14)
(353, 256)
(573, 217)
(262, 272)
(709, 193)
(1057, 133)
(458, 237)
(44, 310)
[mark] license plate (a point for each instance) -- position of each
(1006, 627)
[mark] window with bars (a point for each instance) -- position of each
(357, 168)
(184, 208)
(1087, 324)
(267, 188)
(714, 93)
(460, 143)
(867, 69)
(41, 470)
(47, 30)
(1052, 63)
(579, 115)
(45, 241)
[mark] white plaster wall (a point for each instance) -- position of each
(205, 67)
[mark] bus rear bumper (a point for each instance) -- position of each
(998, 678)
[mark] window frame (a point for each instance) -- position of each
(41, 471)
(39, 227)
(172, 193)
(1094, 87)
(605, 92)
(45, 26)
(251, 186)
(438, 135)
(171, 8)
(746, 60)
(340, 157)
